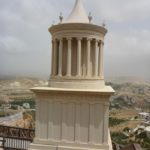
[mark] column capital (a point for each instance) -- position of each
(101, 42)
(54, 39)
(97, 40)
(59, 39)
(69, 38)
(89, 39)
(79, 38)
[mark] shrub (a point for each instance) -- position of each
(115, 121)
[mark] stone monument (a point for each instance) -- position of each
(72, 112)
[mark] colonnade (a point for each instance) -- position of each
(88, 63)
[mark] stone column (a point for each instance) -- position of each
(69, 57)
(79, 57)
(96, 58)
(101, 65)
(60, 57)
(88, 56)
(54, 57)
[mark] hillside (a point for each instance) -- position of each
(128, 94)
(135, 94)
(129, 99)
(18, 89)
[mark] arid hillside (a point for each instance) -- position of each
(131, 94)
(128, 94)
(18, 89)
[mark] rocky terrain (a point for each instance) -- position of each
(131, 95)
(18, 89)
(14, 94)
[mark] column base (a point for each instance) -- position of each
(77, 83)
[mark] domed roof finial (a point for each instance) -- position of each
(90, 17)
(103, 24)
(61, 17)
(53, 22)
(78, 14)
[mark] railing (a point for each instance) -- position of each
(13, 138)
(132, 147)
(129, 147)
(16, 143)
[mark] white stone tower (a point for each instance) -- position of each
(72, 112)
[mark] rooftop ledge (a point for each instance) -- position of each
(77, 26)
(107, 90)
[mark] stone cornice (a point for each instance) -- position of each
(106, 91)
(77, 26)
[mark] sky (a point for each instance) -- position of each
(25, 43)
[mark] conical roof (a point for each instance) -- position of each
(78, 14)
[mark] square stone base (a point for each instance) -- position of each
(51, 145)
(72, 119)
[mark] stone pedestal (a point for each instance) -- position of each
(72, 119)
(72, 113)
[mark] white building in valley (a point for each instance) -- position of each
(72, 112)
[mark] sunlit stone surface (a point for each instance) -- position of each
(72, 112)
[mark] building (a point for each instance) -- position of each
(144, 116)
(26, 105)
(72, 112)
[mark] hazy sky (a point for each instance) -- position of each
(25, 40)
